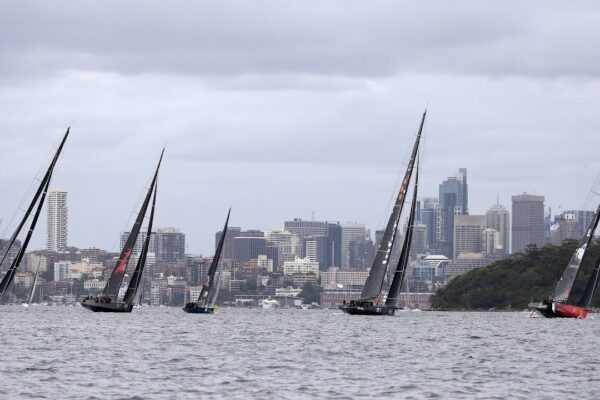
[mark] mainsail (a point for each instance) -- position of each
(35, 279)
(394, 292)
(374, 283)
(211, 289)
(565, 284)
(39, 197)
(116, 277)
(136, 278)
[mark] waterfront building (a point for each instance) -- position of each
(58, 219)
(527, 221)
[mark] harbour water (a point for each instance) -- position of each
(163, 353)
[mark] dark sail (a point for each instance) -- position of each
(36, 196)
(210, 290)
(39, 197)
(136, 278)
(394, 293)
(565, 284)
(586, 299)
(374, 283)
(116, 277)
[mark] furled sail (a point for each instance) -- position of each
(116, 277)
(374, 283)
(394, 292)
(136, 278)
(211, 289)
(565, 284)
(39, 197)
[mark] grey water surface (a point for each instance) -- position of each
(163, 353)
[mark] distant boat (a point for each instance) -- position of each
(38, 197)
(371, 298)
(32, 292)
(557, 305)
(108, 300)
(208, 295)
(270, 303)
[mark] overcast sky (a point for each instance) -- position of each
(285, 108)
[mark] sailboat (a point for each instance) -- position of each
(108, 300)
(210, 289)
(38, 198)
(32, 292)
(557, 305)
(370, 301)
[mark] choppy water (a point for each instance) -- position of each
(70, 353)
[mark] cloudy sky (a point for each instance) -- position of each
(284, 109)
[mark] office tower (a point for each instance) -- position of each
(468, 231)
(249, 245)
(563, 228)
(232, 233)
(419, 240)
(317, 249)
(351, 231)
(333, 230)
(58, 219)
(303, 228)
(583, 218)
(498, 218)
(428, 216)
(170, 245)
(361, 253)
(453, 200)
(288, 245)
(527, 221)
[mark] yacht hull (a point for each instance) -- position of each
(558, 310)
(367, 309)
(114, 307)
(194, 308)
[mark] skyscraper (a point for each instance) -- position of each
(453, 200)
(498, 218)
(468, 231)
(58, 219)
(527, 221)
(351, 232)
(303, 228)
(170, 245)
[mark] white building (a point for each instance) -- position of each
(263, 262)
(94, 285)
(62, 270)
(498, 218)
(58, 218)
(300, 266)
(345, 277)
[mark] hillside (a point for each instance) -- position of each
(515, 281)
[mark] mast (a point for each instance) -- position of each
(141, 263)
(37, 194)
(394, 293)
(586, 299)
(35, 279)
(211, 290)
(374, 283)
(565, 284)
(116, 277)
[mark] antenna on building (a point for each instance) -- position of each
(312, 215)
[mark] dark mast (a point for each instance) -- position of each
(40, 195)
(114, 283)
(374, 283)
(210, 291)
(394, 292)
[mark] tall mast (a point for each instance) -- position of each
(374, 283)
(116, 277)
(565, 284)
(210, 290)
(39, 197)
(141, 263)
(394, 293)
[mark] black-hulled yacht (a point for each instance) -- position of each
(108, 301)
(371, 299)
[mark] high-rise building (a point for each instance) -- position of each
(58, 219)
(527, 221)
(428, 216)
(583, 218)
(303, 228)
(351, 232)
(317, 249)
(170, 245)
(468, 231)
(333, 230)
(249, 246)
(419, 240)
(498, 218)
(453, 200)
(232, 233)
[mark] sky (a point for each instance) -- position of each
(292, 109)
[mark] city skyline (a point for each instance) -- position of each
(281, 132)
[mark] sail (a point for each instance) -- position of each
(10, 274)
(116, 277)
(394, 292)
(586, 299)
(35, 197)
(565, 284)
(35, 279)
(136, 278)
(210, 290)
(374, 283)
